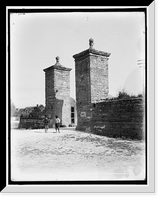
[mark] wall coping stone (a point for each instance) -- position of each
(91, 51)
(57, 66)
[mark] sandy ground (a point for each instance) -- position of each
(74, 155)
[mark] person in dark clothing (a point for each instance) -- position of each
(46, 122)
(57, 124)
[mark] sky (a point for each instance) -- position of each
(37, 38)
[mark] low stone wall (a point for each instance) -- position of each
(116, 118)
(31, 123)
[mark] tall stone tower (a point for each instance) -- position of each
(91, 71)
(57, 92)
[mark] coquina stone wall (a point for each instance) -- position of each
(57, 93)
(62, 98)
(117, 118)
(99, 77)
(91, 71)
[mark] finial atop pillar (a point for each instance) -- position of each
(91, 43)
(57, 59)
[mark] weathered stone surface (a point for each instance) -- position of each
(91, 71)
(62, 88)
(57, 92)
(99, 78)
(117, 118)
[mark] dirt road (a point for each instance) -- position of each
(74, 155)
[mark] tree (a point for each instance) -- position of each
(13, 109)
(123, 95)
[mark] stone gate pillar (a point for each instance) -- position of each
(57, 92)
(92, 83)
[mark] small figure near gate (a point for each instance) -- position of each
(46, 122)
(57, 124)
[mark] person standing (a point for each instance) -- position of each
(57, 124)
(46, 122)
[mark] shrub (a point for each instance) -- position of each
(124, 95)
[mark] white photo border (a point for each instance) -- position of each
(110, 188)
